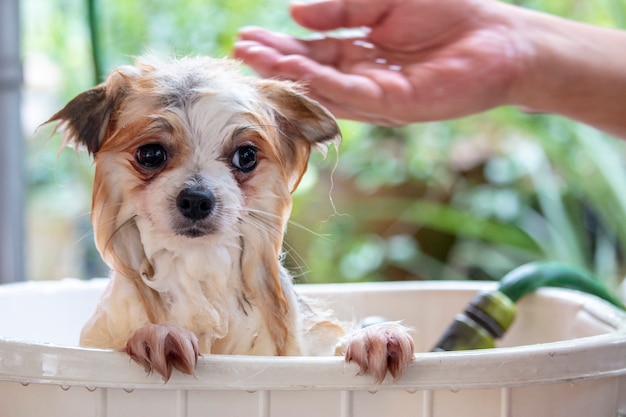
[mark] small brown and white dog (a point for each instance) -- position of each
(194, 169)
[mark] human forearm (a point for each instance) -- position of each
(572, 69)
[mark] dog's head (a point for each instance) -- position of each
(189, 152)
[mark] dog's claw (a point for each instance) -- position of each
(162, 347)
(380, 348)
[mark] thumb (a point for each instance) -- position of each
(335, 14)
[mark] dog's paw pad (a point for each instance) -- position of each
(381, 348)
(162, 347)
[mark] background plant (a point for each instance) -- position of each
(467, 199)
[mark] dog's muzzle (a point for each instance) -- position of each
(195, 204)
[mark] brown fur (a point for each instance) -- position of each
(182, 283)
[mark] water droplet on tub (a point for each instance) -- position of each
(65, 387)
(373, 391)
(91, 389)
(251, 392)
(128, 390)
(411, 391)
(455, 390)
(25, 384)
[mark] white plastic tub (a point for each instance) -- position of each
(564, 356)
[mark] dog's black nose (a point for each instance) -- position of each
(195, 203)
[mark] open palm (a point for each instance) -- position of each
(416, 63)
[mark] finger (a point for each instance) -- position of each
(347, 112)
(269, 62)
(335, 14)
(288, 45)
(356, 110)
(349, 96)
(261, 58)
(327, 81)
(323, 49)
(341, 111)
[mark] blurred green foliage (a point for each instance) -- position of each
(466, 199)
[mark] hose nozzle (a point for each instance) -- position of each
(486, 318)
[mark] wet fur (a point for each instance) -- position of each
(182, 288)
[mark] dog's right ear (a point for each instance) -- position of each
(83, 122)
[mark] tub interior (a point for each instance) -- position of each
(54, 312)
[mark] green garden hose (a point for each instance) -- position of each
(491, 313)
(530, 277)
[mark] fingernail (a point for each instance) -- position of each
(305, 2)
(244, 29)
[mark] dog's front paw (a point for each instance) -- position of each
(380, 348)
(162, 347)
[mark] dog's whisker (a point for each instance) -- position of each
(262, 225)
(116, 231)
(325, 236)
(84, 236)
(82, 215)
(300, 262)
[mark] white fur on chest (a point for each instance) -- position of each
(201, 286)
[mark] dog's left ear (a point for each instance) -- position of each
(304, 124)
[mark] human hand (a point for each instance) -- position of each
(418, 60)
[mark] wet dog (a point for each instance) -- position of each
(194, 169)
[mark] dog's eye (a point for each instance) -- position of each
(244, 158)
(151, 156)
